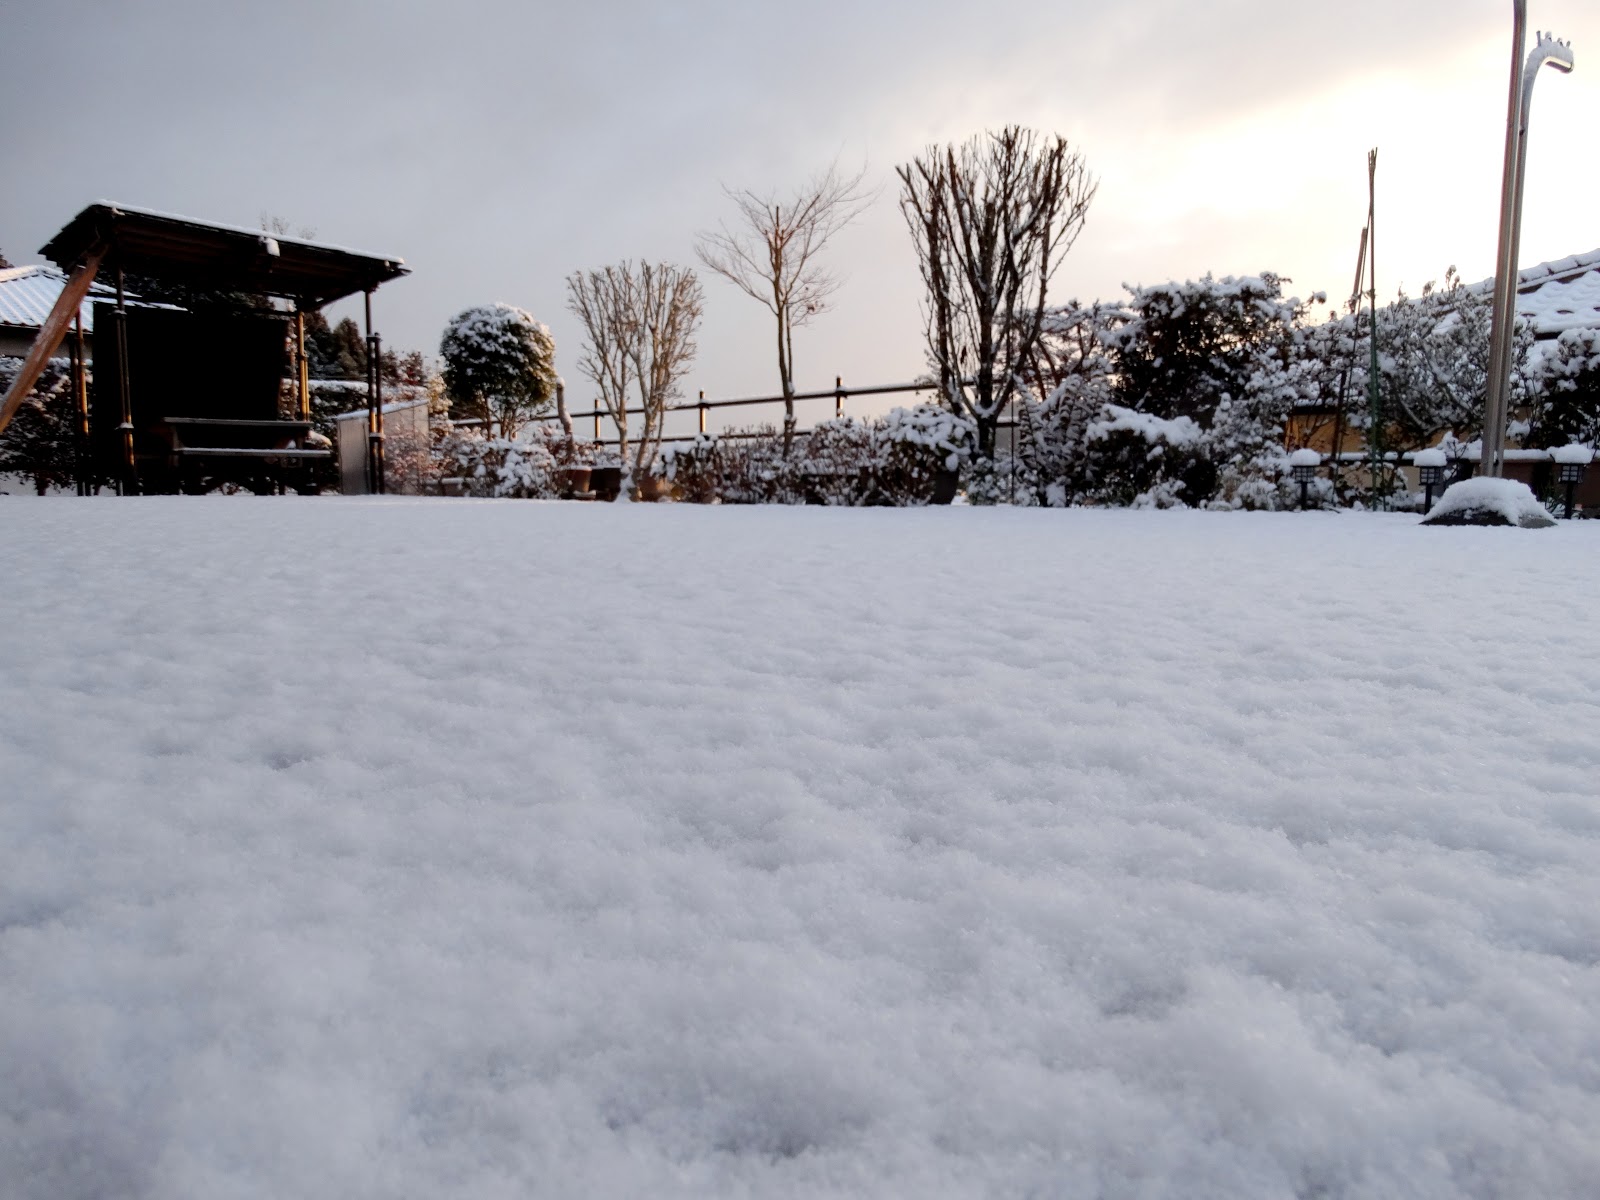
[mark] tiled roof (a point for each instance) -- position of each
(1564, 299)
(27, 294)
(1560, 295)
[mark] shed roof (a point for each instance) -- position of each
(181, 249)
(27, 294)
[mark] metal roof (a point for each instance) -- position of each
(181, 249)
(27, 294)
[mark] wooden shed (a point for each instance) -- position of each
(189, 392)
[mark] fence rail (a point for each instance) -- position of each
(838, 394)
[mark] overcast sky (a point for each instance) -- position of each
(499, 146)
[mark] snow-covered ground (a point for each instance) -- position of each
(389, 848)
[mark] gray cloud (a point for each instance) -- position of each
(499, 146)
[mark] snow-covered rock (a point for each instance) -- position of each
(1488, 501)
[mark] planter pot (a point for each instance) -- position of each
(570, 481)
(605, 482)
(945, 486)
(653, 488)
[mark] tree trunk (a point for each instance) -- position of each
(561, 409)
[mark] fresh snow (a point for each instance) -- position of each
(389, 847)
(1572, 452)
(1305, 457)
(1432, 457)
(1177, 431)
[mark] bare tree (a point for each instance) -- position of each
(992, 220)
(771, 253)
(641, 323)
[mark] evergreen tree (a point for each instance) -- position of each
(1567, 405)
(41, 440)
(499, 365)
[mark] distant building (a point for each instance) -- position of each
(27, 294)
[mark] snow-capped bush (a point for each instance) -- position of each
(499, 467)
(499, 365)
(1567, 404)
(899, 459)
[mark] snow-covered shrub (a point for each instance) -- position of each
(1131, 456)
(1180, 395)
(41, 441)
(912, 448)
(1567, 404)
(899, 459)
(499, 467)
(499, 365)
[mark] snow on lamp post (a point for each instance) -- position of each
(1303, 466)
(1571, 463)
(1430, 473)
(1547, 51)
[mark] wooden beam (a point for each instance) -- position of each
(51, 333)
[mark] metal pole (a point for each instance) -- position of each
(128, 483)
(838, 396)
(1374, 384)
(1497, 403)
(1505, 271)
(374, 409)
(703, 410)
(80, 401)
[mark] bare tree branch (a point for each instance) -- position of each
(640, 321)
(771, 252)
(992, 220)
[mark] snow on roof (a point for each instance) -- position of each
(138, 210)
(389, 406)
(27, 294)
(1559, 295)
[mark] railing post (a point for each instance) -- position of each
(703, 410)
(838, 396)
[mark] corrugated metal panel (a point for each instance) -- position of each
(27, 294)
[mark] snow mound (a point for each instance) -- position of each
(1573, 452)
(1486, 501)
(1429, 458)
(1305, 457)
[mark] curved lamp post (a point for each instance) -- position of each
(1547, 51)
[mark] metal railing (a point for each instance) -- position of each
(703, 407)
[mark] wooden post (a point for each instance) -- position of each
(55, 328)
(80, 400)
(302, 365)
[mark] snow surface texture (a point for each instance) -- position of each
(407, 848)
(1484, 500)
